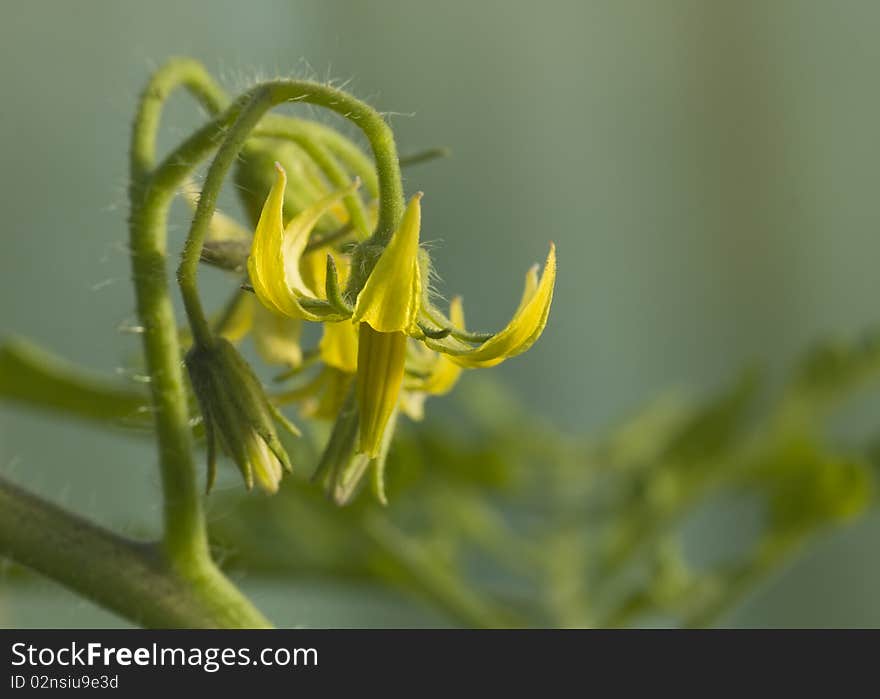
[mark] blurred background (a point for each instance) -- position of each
(706, 170)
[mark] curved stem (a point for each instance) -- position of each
(191, 75)
(261, 100)
(130, 578)
(177, 72)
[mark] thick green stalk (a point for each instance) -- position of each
(184, 528)
(185, 542)
(151, 194)
(130, 578)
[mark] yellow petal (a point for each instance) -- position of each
(381, 359)
(276, 337)
(274, 261)
(339, 346)
(296, 237)
(524, 328)
(390, 300)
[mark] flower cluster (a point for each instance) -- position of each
(385, 345)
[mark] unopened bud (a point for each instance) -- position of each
(237, 415)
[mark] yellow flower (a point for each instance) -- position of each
(274, 262)
(392, 305)
(392, 296)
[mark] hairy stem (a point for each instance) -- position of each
(177, 72)
(133, 579)
(185, 541)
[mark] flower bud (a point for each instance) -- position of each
(237, 415)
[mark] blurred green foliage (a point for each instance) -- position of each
(498, 518)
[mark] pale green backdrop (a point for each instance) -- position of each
(707, 169)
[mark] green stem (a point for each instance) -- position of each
(130, 578)
(177, 72)
(151, 195)
(322, 142)
(184, 533)
(260, 100)
(185, 542)
(191, 75)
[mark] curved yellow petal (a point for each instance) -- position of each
(390, 300)
(276, 251)
(295, 239)
(339, 346)
(521, 332)
(265, 264)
